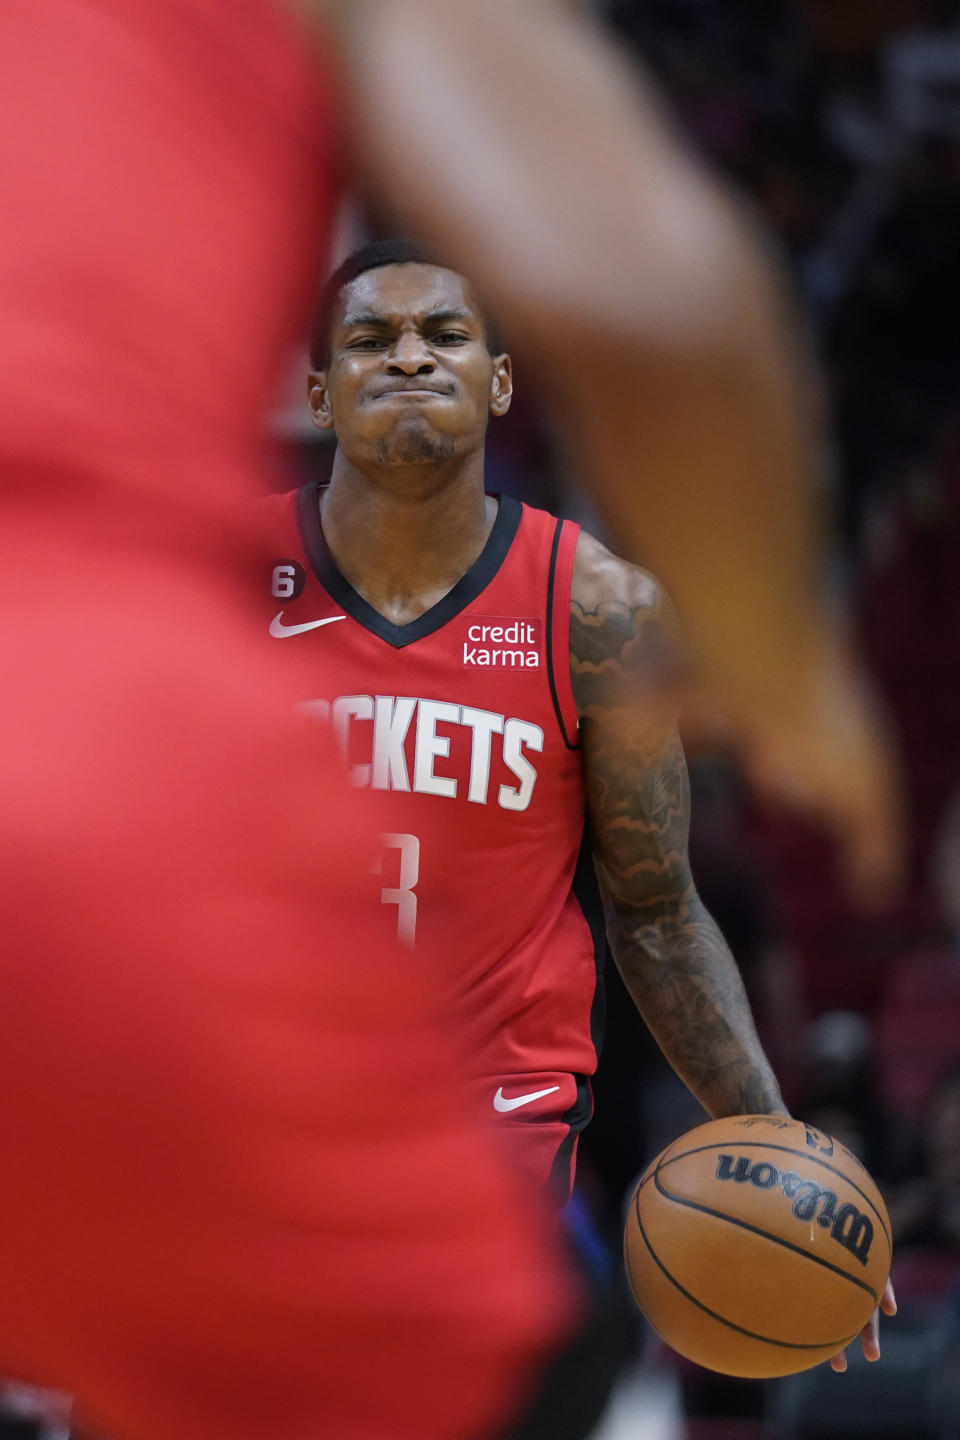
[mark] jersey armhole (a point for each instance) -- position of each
(559, 586)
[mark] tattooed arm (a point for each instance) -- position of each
(672, 956)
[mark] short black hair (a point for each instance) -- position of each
(375, 256)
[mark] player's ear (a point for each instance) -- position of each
(318, 399)
(501, 385)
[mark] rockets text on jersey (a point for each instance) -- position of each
(393, 717)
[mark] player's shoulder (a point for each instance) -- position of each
(277, 520)
(601, 578)
(278, 507)
(624, 639)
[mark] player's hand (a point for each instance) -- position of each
(870, 1335)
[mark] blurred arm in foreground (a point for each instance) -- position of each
(516, 140)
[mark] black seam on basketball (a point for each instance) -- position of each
(644, 1180)
(751, 1335)
(766, 1235)
(788, 1150)
(626, 1266)
(664, 1158)
(648, 1177)
(633, 1288)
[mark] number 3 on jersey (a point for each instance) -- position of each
(402, 893)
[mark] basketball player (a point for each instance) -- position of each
(477, 657)
(526, 645)
(198, 1235)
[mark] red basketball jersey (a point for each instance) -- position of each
(200, 1236)
(465, 720)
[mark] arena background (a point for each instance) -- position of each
(839, 120)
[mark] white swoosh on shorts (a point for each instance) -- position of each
(279, 631)
(503, 1105)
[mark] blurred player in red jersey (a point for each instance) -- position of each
(199, 1235)
(202, 1232)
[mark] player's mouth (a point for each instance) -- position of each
(414, 392)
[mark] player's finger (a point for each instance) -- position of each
(888, 1303)
(839, 1362)
(870, 1337)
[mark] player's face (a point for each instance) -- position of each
(410, 379)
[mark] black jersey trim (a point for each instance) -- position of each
(551, 677)
(576, 1119)
(586, 890)
(466, 590)
(587, 894)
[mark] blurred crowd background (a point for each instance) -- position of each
(839, 122)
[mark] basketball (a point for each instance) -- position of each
(757, 1246)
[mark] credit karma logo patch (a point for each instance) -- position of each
(496, 642)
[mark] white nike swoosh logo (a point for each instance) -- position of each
(499, 1103)
(279, 631)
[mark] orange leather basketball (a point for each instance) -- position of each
(757, 1245)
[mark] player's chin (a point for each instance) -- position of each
(415, 442)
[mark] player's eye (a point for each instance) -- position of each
(450, 337)
(367, 342)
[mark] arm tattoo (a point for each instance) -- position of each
(668, 948)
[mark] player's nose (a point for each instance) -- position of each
(410, 355)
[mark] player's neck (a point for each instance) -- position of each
(404, 542)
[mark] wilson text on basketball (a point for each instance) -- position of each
(847, 1225)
